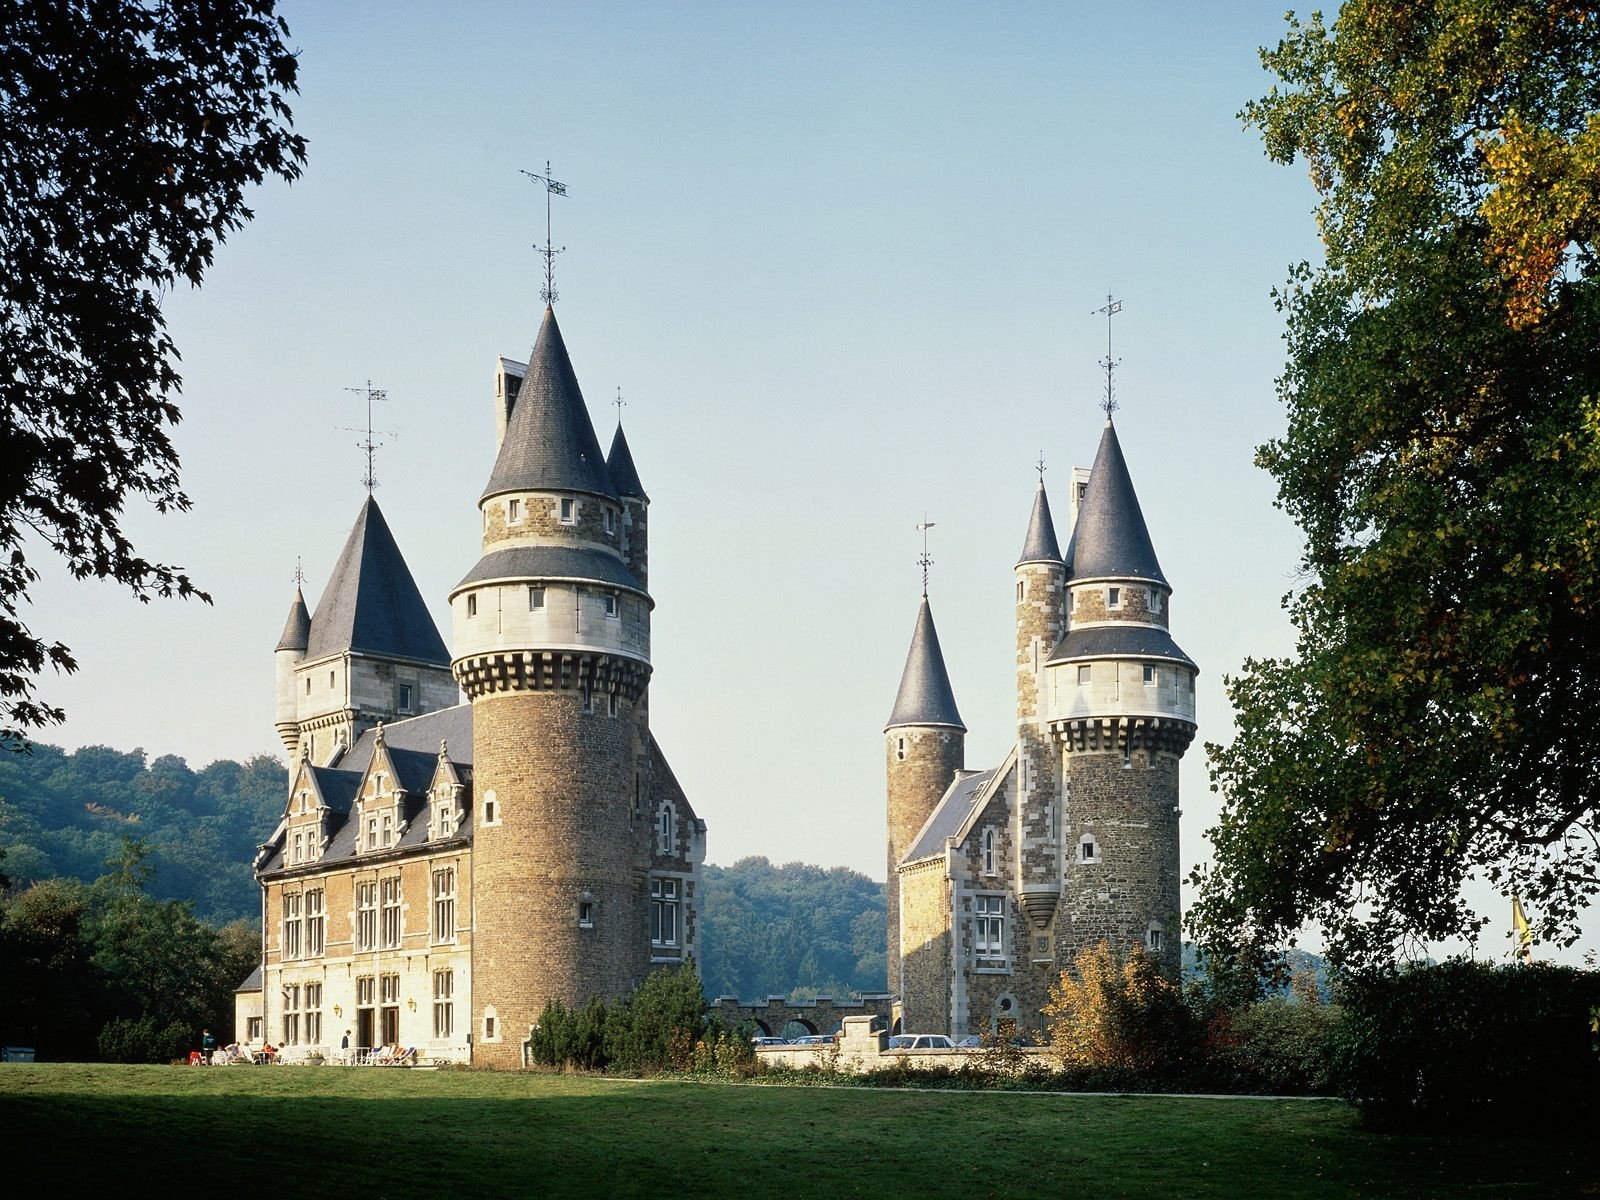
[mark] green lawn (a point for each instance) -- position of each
(468, 1135)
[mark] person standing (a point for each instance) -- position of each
(208, 1045)
(344, 1048)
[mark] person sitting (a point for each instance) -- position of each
(268, 1054)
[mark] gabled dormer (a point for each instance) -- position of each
(379, 809)
(306, 824)
(447, 798)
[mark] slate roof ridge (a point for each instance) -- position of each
(925, 696)
(549, 443)
(1110, 539)
(371, 603)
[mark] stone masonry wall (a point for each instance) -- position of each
(923, 947)
(917, 777)
(1131, 811)
(563, 784)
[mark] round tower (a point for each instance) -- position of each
(1040, 580)
(1120, 703)
(552, 645)
(924, 747)
(291, 649)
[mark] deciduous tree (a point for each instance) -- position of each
(1440, 717)
(129, 132)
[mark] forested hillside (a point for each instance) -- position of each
(65, 815)
(794, 929)
(764, 929)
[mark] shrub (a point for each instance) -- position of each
(1470, 1045)
(141, 1040)
(1108, 1011)
(656, 1028)
(725, 1053)
(1279, 1045)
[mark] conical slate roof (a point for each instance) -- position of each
(371, 603)
(1110, 540)
(549, 444)
(1040, 544)
(297, 629)
(619, 465)
(925, 697)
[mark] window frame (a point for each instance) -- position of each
(989, 927)
(665, 899)
(443, 908)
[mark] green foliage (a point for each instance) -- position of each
(143, 1040)
(1281, 1045)
(1440, 717)
(570, 1038)
(655, 1029)
(795, 929)
(108, 966)
(132, 129)
(65, 814)
(726, 1054)
(1468, 1045)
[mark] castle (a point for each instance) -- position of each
(998, 878)
(443, 869)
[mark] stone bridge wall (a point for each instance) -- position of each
(822, 1015)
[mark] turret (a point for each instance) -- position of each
(635, 506)
(1040, 579)
(371, 652)
(552, 646)
(925, 746)
(1119, 699)
(291, 649)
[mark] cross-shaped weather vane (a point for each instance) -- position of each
(1111, 309)
(619, 402)
(552, 187)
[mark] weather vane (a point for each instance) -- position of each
(619, 402)
(370, 446)
(1112, 308)
(299, 575)
(925, 560)
(1041, 467)
(552, 187)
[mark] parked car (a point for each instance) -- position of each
(814, 1039)
(921, 1041)
(768, 1041)
(974, 1041)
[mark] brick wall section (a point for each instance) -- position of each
(1089, 603)
(1132, 813)
(933, 755)
(564, 786)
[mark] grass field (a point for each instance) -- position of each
(307, 1132)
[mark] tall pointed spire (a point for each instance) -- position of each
(297, 629)
(550, 444)
(619, 465)
(925, 696)
(1111, 540)
(1040, 545)
(371, 602)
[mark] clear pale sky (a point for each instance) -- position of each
(841, 259)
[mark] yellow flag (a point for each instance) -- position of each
(1519, 926)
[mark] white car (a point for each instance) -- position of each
(921, 1041)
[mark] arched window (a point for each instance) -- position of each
(988, 851)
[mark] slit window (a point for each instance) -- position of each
(513, 511)
(569, 511)
(472, 605)
(1113, 597)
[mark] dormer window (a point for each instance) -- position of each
(513, 511)
(569, 511)
(386, 835)
(372, 833)
(1113, 597)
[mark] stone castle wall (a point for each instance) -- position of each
(922, 762)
